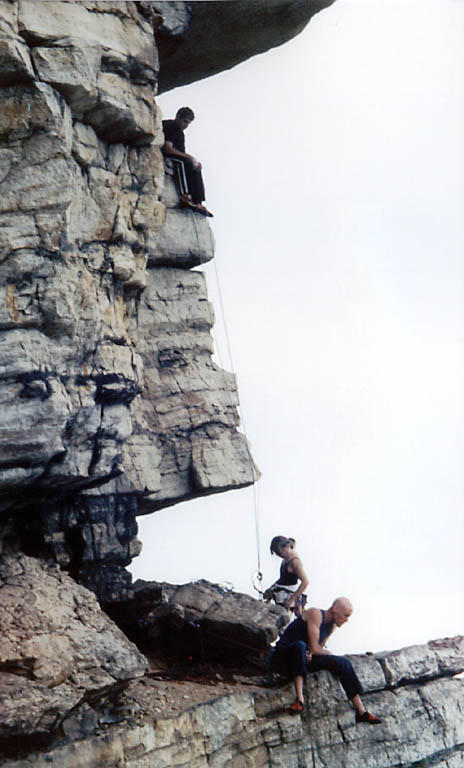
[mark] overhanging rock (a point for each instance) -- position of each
(196, 40)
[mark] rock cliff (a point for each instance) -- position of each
(111, 403)
(75, 692)
(112, 407)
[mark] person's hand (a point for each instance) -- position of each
(288, 603)
(196, 163)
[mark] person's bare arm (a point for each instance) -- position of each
(170, 151)
(313, 620)
(297, 567)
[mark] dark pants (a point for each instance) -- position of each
(291, 661)
(342, 668)
(190, 179)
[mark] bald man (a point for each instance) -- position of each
(301, 649)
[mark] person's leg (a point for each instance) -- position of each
(340, 666)
(291, 660)
(343, 668)
(179, 170)
(297, 667)
(298, 683)
(194, 182)
(357, 704)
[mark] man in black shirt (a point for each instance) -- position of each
(190, 177)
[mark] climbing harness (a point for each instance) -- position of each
(280, 593)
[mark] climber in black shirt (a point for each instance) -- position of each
(190, 177)
(301, 649)
(286, 591)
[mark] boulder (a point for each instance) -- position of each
(58, 652)
(201, 620)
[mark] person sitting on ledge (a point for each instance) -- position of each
(301, 649)
(192, 189)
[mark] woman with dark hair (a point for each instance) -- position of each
(286, 591)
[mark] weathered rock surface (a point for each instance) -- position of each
(109, 395)
(196, 40)
(186, 238)
(423, 724)
(79, 222)
(111, 407)
(201, 620)
(58, 651)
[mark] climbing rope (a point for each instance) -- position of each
(308, 720)
(257, 576)
(257, 581)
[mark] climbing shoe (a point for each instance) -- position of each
(296, 707)
(366, 717)
(203, 210)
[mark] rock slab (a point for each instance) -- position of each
(423, 726)
(58, 651)
(200, 620)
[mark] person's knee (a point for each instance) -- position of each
(300, 648)
(343, 664)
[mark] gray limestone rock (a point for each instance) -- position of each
(201, 39)
(422, 725)
(15, 60)
(111, 406)
(200, 619)
(186, 239)
(58, 649)
(108, 386)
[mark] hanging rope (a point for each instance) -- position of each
(257, 581)
(257, 577)
(308, 720)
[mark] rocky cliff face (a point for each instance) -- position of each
(111, 407)
(75, 692)
(111, 403)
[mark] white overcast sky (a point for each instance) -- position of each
(334, 166)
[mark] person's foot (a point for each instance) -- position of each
(296, 707)
(186, 202)
(366, 717)
(203, 210)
